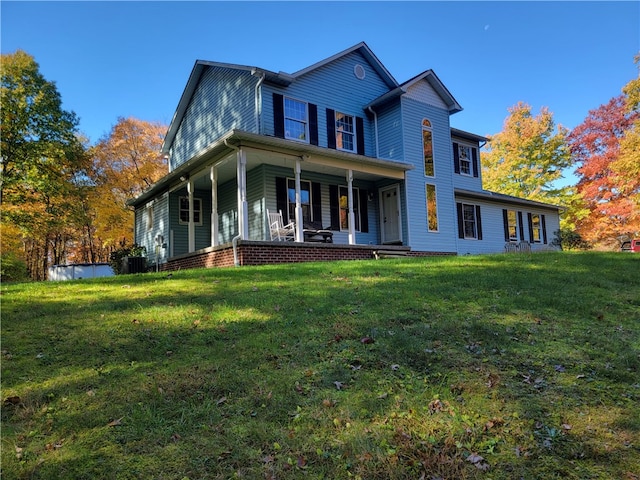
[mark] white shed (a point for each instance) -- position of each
(79, 271)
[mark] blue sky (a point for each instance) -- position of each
(112, 59)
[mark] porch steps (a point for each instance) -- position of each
(380, 254)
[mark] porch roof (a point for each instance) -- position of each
(314, 158)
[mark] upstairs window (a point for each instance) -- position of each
(427, 148)
(465, 159)
(296, 120)
(184, 211)
(464, 155)
(345, 132)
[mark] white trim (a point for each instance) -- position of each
(349, 210)
(475, 222)
(426, 193)
(339, 132)
(180, 210)
(433, 148)
(395, 187)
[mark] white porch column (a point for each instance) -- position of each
(214, 206)
(351, 216)
(192, 224)
(243, 206)
(299, 218)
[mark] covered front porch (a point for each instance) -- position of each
(216, 204)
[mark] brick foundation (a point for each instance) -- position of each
(267, 253)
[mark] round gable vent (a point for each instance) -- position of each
(359, 72)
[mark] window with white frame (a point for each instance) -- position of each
(469, 221)
(343, 201)
(512, 225)
(149, 211)
(345, 132)
(296, 120)
(536, 228)
(184, 211)
(427, 148)
(432, 208)
(305, 200)
(464, 159)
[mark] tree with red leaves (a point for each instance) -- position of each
(608, 192)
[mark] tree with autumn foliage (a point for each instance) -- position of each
(527, 156)
(43, 160)
(124, 163)
(605, 148)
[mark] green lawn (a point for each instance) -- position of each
(491, 367)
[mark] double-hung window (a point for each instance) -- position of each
(296, 120)
(345, 132)
(464, 157)
(305, 200)
(512, 225)
(536, 228)
(469, 221)
(343, 200)
(184, 211)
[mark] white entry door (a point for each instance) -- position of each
(390, 212)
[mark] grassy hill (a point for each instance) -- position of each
(489, 367)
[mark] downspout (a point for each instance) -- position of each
(375, 127)
(258, 97)
(234, 241)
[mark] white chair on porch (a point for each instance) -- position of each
(277, 229)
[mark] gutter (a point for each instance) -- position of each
(258, 103)
(375, 126)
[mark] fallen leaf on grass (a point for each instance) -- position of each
(115, 423)
(14, 400)
(302, 462)
(478, 461)
(367, 340)
(338, 385)
(221, 400)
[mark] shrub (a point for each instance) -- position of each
(115, 259)
(12, 268)
(570, 240)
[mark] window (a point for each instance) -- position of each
(432, 208)
(469, 221)
(512, 225)
(305, 200)
(343, 193)
(536, 228)
(427, 148)
(184, 211)
(345, 132)
(149, 211)
(295, 120)
(464, 156)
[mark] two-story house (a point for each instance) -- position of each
(339, 146)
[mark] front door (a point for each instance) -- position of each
(390, 211)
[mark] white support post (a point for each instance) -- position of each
(192, 224)
(299, 218)
(214, 206)
(351, 216)
(243, 206)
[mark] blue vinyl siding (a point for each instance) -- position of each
(332, 86)
(390, 132)
(413, 112)
(145, 236)
(181, 231)
(224, 100)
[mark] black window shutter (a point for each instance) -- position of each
(479, 222)
(544, 228)
(281, 196)
(316, 204)
(505, 221)
(278, 115)
(331, 128)
(456, 159)
(521, 226)
(474, 161)
(360, 135)
(334, 207)
(530, 221)
(313, 124)
(460, 222)
(364, 213)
